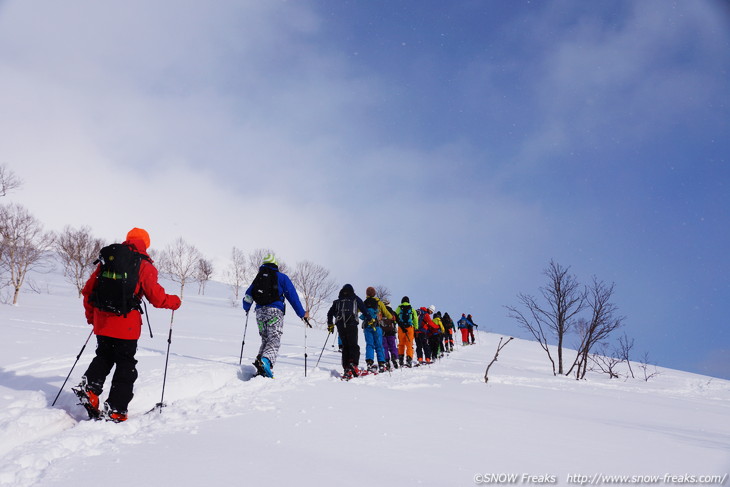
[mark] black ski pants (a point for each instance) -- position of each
(435, 343)
(110, 352)
(423, 350)
(350, 348)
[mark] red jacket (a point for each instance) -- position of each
(427, 325)
(129, 327)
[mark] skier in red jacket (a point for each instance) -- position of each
(117, 335)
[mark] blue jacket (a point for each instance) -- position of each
(286, 290)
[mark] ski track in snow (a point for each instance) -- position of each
(41, 444)
(34, 435)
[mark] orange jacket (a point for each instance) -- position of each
(128, 327)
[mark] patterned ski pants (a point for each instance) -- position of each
(271, 326)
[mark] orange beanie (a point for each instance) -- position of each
(139, 234)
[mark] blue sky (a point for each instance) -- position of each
(447, 150)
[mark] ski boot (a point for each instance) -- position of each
(266, 366)
(113, 415)
(88, 399)
(371, 367)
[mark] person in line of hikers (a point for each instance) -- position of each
(436, 335)
(471, 327)
(343, 313)
(463, 325)
(407, 318)
(112, 307)
(375, 310)
(448, 333)
(390, 346)
(268, 291)
(425, 323)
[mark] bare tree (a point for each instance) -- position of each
(383, 293)
(203, 274)
(256, 258)
(78, 250)
(24, 244)
(179, 262)
(500, 346)
(602, 323)
(237, 273)
(645, 364)
(8, 180)
(564, 300)
(533, 322)
(625, 345)
(314, 285)
(607, 362)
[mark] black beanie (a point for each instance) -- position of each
(405, 300)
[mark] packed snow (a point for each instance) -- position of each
(437, 425)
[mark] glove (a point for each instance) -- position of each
(175, 302)
(331, 328)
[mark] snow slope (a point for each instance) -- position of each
(431, 426)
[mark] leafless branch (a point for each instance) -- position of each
(500, 346)
(77, 250)
(383, 293)
(602, 323)
(8, 180)
(179, 262)
(23, 244)
(203, 274)
(645, 365)
(314, 285)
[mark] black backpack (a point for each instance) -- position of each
(114, 290)
(346, 311)
(405, 317)
(265, 287)
(388, 324)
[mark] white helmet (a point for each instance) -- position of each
(432, 308)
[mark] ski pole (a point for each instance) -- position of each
(306, 321)
(320, 353)
(72, 367)
(148, 318)
(240, 359)
(162, 404)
